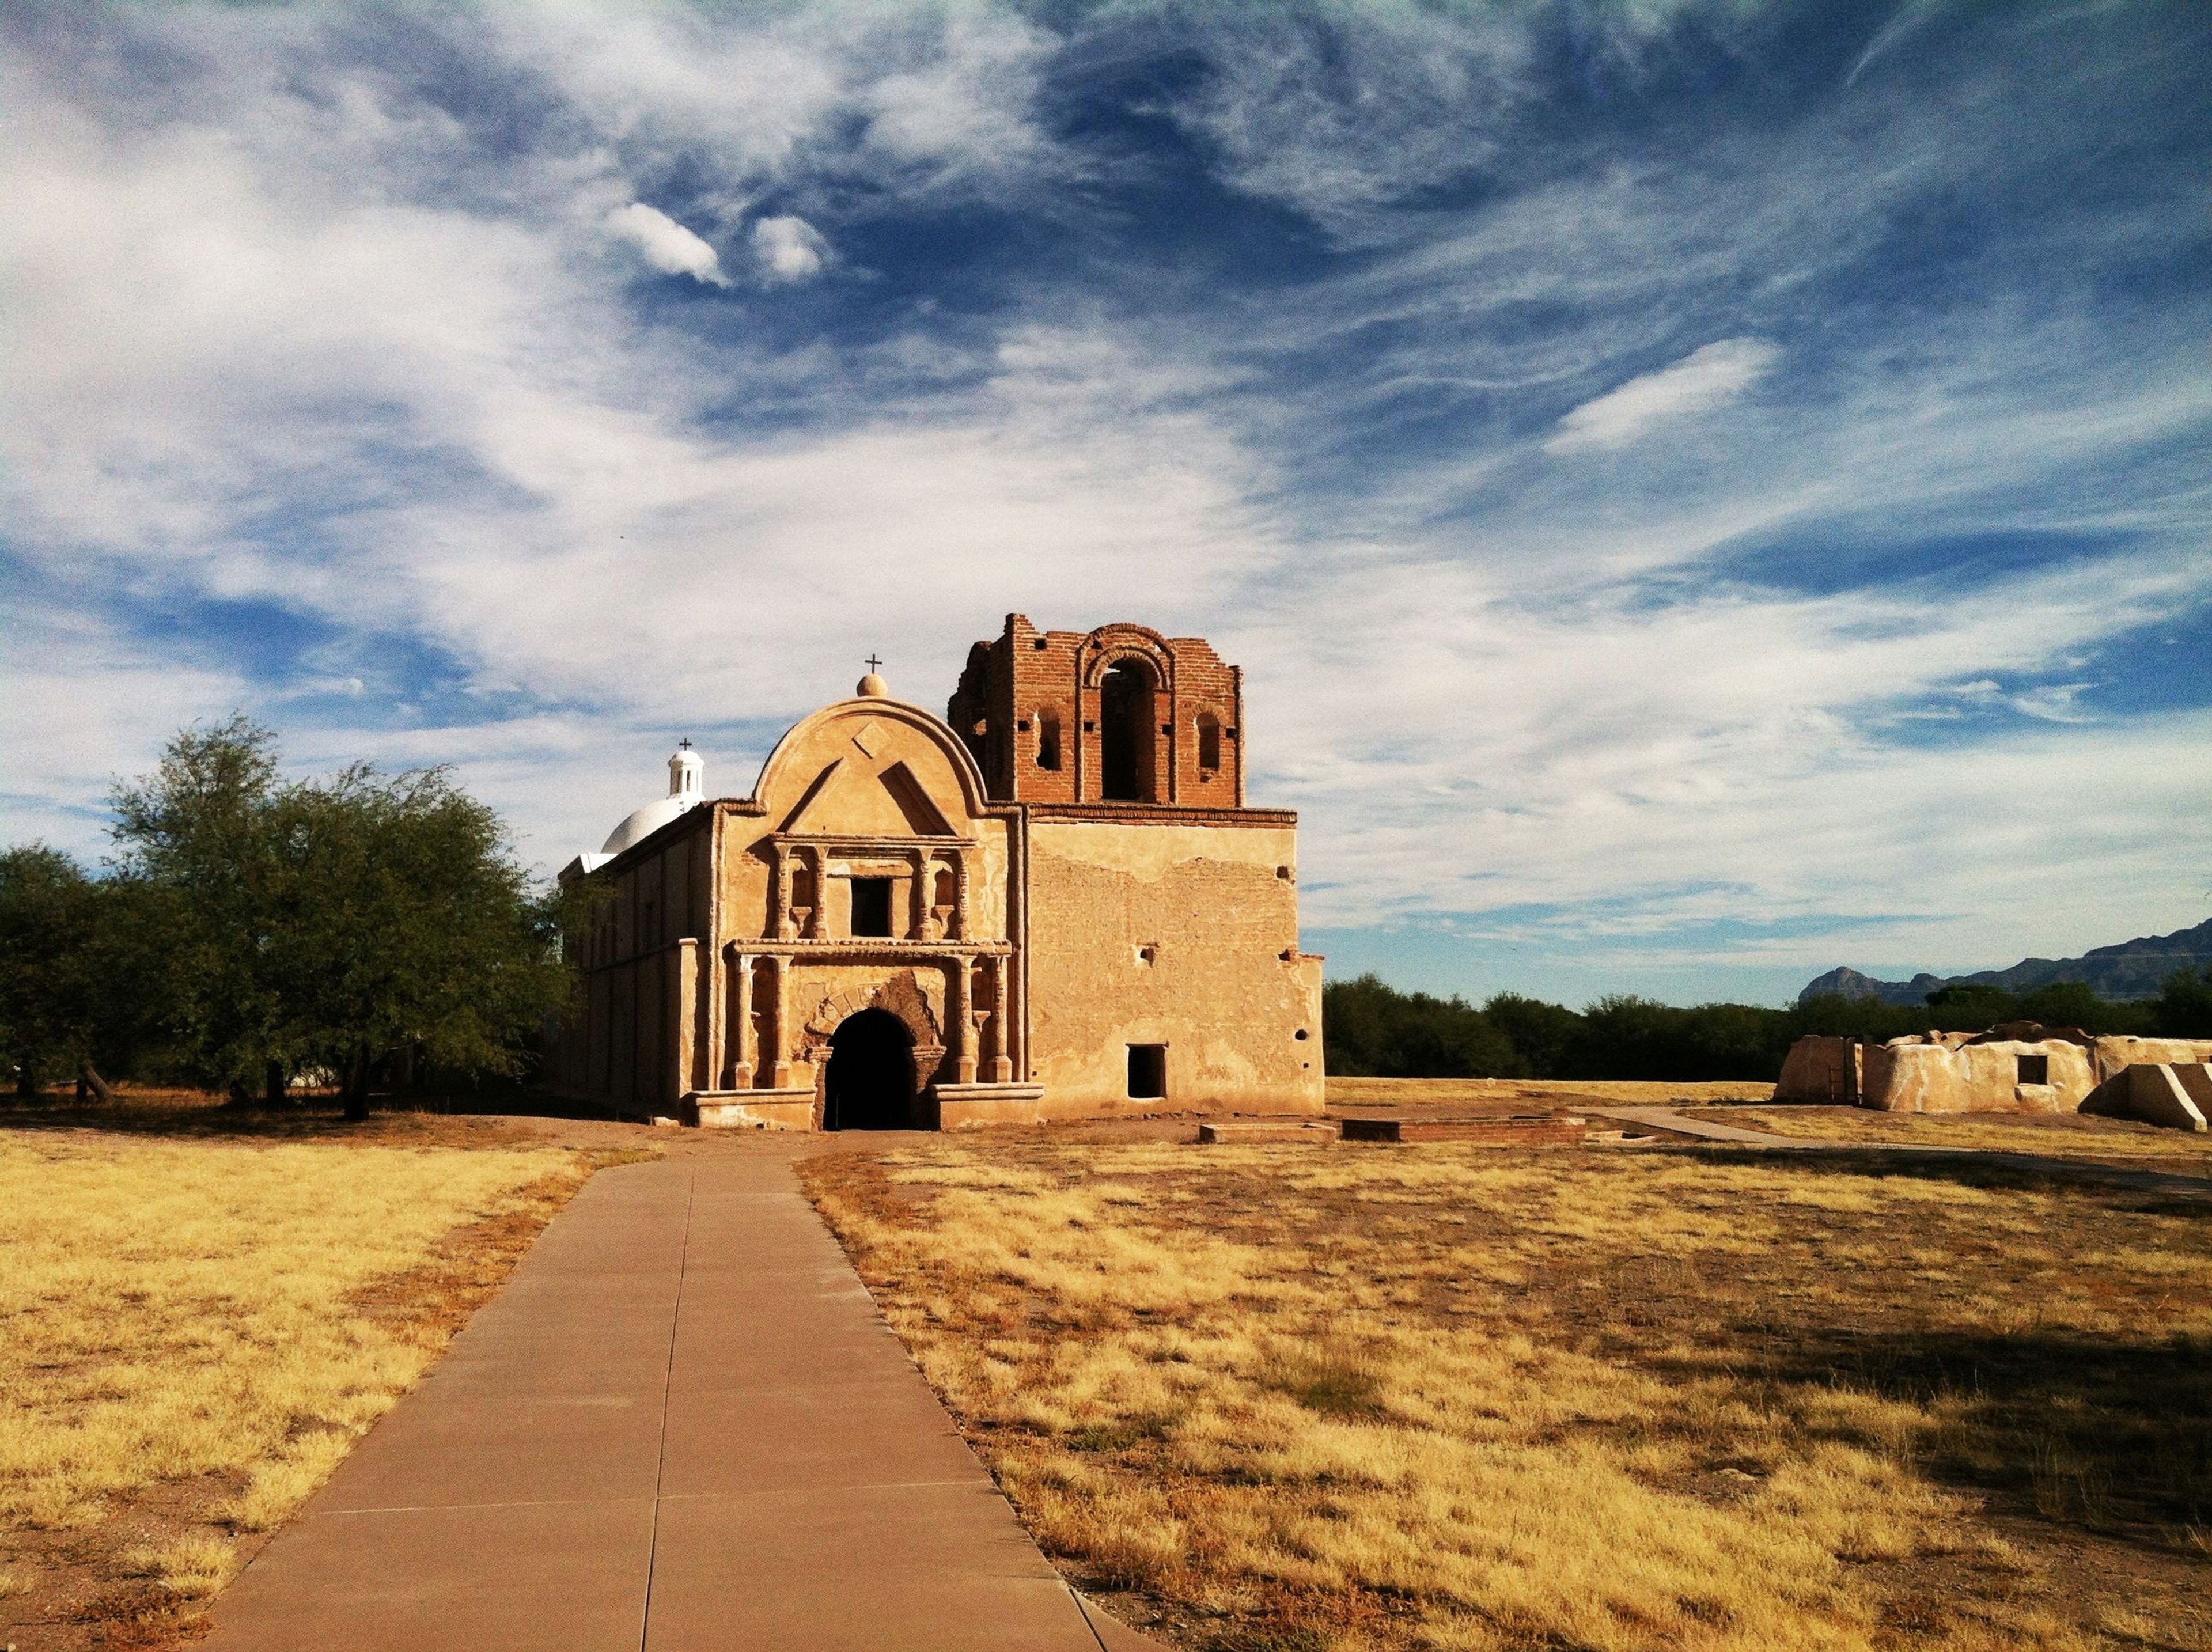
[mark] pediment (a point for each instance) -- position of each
(852, 798)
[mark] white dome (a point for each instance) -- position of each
(686, 781)
(643, 823)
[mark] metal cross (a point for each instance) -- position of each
(874, 664)
(684, 745)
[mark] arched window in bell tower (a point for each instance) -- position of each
(1127, 743)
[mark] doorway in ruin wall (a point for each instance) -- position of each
(1128, 751)
(870, 1084)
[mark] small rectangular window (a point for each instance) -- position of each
(871, 905)
(2034, 1069)
(1048, 746)
(1209, 741)
(1148, 1072)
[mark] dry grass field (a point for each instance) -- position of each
(1510, 1095)
(2073, 1135)
(1287, 1399)
(195, 1325)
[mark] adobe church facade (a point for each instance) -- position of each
(1052, 903)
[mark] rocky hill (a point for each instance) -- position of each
(2132, 969)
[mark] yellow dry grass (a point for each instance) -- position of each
(2070, 1136)
(177, 1308)
(1456, 1398)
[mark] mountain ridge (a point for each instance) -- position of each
(2123, 971)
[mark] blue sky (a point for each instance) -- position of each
(1702, 492)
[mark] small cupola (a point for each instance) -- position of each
(687, 774)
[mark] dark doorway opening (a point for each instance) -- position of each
(870, 1084)
(1126, 739)
(1148, 1072)
(871, 905)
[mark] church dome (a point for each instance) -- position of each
(641, 823)
(686, 789)
(873, 687)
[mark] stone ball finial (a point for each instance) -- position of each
(873, 687)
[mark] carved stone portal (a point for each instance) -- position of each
(901, 995)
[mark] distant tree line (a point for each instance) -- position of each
(247, 931)
(1371, 1029)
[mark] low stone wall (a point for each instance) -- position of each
(2176, 1095)
(754, 1110)
(1820, 1069)
(1924, 1078)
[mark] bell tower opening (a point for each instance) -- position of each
(1126, 739)
(870, 1084)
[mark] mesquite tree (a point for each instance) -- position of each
(332, 923)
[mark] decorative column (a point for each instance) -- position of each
(918, 913)
(683, 979)
(959, 1011)
(820, 862)
(773, 1058)
(1002, 1064)
(959, 895)
(779, 917)
(739, 1073)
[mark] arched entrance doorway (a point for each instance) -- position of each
(870, 1084)
(1127, 745)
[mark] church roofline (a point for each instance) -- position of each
(974, 793)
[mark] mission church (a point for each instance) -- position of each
(1052, 903)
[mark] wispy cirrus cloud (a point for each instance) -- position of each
(1614, 515)
(1710, 376)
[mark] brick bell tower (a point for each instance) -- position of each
(1117, 716)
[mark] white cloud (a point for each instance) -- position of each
(1706, 379)
(789, 249)
(303, 340)
(668, 246)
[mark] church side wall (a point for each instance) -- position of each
(617, 1047)
(1223, 988)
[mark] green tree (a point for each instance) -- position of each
(1376, 1030)
(2183, 1008)
(1545, 1034)
(196, 834)
(404, 924)
(335, 923)
(49, 984)
(1836, 1016)
(1971, 1006)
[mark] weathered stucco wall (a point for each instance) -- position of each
(617, 1048)
(1915, 1078)
(1820, 1069)
(1179, 935)
(1948, 1072)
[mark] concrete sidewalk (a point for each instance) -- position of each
(682, 1425)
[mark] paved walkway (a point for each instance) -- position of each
(680, 1426)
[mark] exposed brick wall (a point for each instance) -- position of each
(1033, 695)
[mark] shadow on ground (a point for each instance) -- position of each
(2145, 1191)
(2077, 1430)
(184, 1114)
